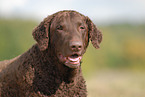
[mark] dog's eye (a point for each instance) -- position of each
(59, 27)
(82, 27)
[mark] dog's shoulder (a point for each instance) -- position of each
(5, 63)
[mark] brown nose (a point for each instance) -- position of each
(75, 46)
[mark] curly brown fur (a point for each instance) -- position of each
(39, 72)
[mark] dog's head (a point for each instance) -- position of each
(68, 33)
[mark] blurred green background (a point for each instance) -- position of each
(117, 69)
(114, 70)
(123, 45)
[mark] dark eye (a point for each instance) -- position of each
(82, 27)
(59, 27)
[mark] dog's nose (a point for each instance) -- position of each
(75, 46)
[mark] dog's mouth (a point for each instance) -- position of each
(72, 61)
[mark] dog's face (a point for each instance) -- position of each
(68, 33)
(69, 36)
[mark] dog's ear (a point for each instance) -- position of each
(41, 33)
(94, 34)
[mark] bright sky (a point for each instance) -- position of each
(99, 10)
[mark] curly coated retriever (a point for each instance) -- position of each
(52, 67)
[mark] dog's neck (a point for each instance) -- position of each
(60, 71)
(48, 74)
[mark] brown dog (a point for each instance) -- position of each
(52, 66)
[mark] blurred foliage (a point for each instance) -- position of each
(123, 45)
(15, 37)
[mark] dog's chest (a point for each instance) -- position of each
(64, 90)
